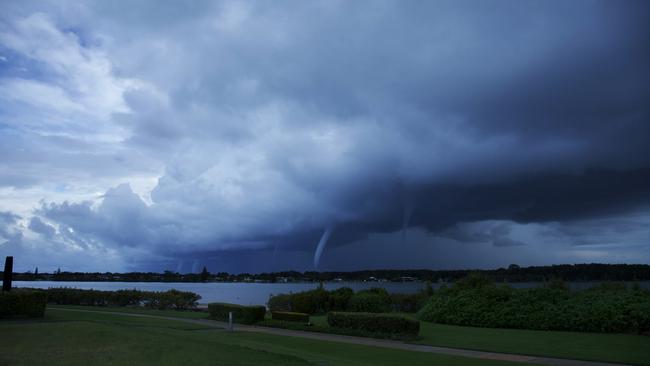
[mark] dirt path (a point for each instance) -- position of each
(368, 341)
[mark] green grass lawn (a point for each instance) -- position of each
(132, 310)
(77, 338)
(620, 348)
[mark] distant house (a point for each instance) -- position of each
(408, 279)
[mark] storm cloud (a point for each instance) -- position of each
(455, 133)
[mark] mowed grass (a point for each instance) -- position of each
(99, 338)
(616, 348)
(132, 310)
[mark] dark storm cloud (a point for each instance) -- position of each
(262, 125)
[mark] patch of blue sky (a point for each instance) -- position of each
(14, 65)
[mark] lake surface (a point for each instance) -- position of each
(258, 293)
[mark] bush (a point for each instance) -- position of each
(317, 301)
(370, 301)
(608, 308)
(241, 314)
(374, 300)
(281, 302)
(310, 302)
(171, 299)
(339, 298)
(376, 323)
(407, 303)
(22, 303)
(290, 317)
(640, 314)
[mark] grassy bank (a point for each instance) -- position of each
(621, 348)
(79, 338)
(618, 348)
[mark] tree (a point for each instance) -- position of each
(205, 274)
(36, 271)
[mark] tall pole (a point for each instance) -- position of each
(9, 268)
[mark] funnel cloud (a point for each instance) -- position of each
(236, 135)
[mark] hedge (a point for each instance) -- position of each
(368, 302)
(290, 316)
(241, 314)
(372, 322)
(609, 308)
(374, 300)
(171, 299)
(22, 303)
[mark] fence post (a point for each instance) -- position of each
(230, 326)
(7, 274)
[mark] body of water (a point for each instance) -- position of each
(258, 293)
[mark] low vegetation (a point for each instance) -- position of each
(98, 338)
(20, 303)
(476, 301)
(171, 299)
(290, 316)
(375, 300)
(376, 323)
(241, 314)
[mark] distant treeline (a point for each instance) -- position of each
(514, 273)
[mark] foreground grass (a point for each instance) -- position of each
(133, 310)
(78, 338)
(620, 348)
(617, 348)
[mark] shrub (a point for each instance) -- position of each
(607, 308)
(241, 314)
(22, 303)
(369, 301)
(339, 298)
(376, 323)
(281, 302)
(407, 303)
(640, 314)
(171, 299)
(317, 301)
(290, 317)
(310, 302)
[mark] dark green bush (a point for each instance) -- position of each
(339, 298)
(280, 302)
(19, 303)
(241, 314)
(607, 308)
(310, 302)
(372, 322)
(317, 301)
(171, 299)
(290, 316)
(374, 300)
(407, 303)
(370, 301)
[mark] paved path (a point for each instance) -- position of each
(368, 341)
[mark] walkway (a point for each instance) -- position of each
(369, 341)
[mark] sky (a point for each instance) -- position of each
(323, 135)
